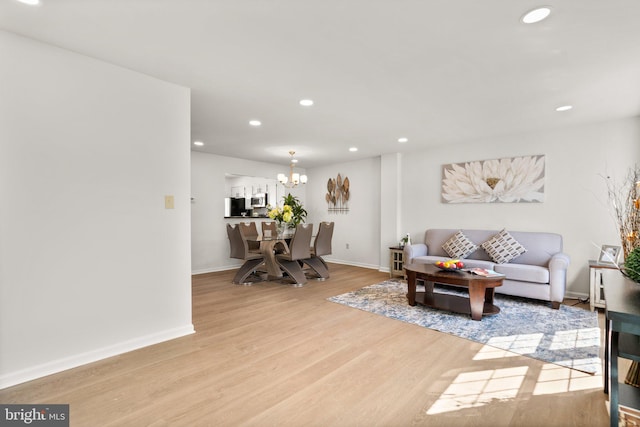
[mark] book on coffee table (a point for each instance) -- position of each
(485, 272)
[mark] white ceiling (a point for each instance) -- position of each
(435, 71)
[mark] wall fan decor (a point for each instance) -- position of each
(507, 180)
(338, 194)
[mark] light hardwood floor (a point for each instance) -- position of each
(276, 355)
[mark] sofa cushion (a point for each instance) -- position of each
(459, 246)
(524, 272)
(478, 263)
(502, 247)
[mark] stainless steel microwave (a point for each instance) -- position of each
(258, 201)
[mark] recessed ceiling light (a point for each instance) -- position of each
(30, 2)
(198, 143)
(306, 102)
(353, 149)
(564, 108)
(255, 122)
(403, 139)
(294, 160)
(536, 15)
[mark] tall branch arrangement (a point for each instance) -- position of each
(626, 209)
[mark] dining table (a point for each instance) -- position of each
(270, 245)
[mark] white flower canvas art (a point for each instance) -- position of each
(507, 180)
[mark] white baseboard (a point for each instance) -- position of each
(55, 366)
(355, 264)
(576, 295)
(214, 270)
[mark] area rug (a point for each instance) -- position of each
(568, 336)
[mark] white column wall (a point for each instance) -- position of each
(391, 196)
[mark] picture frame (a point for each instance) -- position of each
(609, 255)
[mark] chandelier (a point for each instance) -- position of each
(294, 178)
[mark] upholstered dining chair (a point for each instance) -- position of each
(299, 250)
(239, 249)
(321, 246)
(269, 225)
(250, 233)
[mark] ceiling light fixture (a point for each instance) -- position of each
(30, 2)
(536, 15)
(306, 102)
(294, 178)
(255, 122)
(353, 149)
(564, 108)
(198, 143)
(403, 139)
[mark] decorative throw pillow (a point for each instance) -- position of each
(459, 246)
(502, 247)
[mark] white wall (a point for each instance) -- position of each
(91, 264)
(575, 206)
(360, 227)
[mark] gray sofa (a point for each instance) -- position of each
(539, 273)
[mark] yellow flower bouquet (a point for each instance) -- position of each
(282, 214)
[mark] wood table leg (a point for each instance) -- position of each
(488, 295)
(614, 386)
(411, 287)
(476, 300)
(428, 287)
(267, 247)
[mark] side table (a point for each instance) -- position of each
(596, 284)
(396, 267)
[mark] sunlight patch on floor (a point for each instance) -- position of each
(488, 352)
(555, 379)
(474, 389)
(507, 346)
(575, 338)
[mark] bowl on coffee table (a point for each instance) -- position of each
(450, 265)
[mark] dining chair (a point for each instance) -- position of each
(250, 233)
(239, 249)
(269, 225)
(321, 246)
(299, 249)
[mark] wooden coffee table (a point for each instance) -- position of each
(481, 290)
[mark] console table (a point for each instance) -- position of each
(596, 284)
(622, 313)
